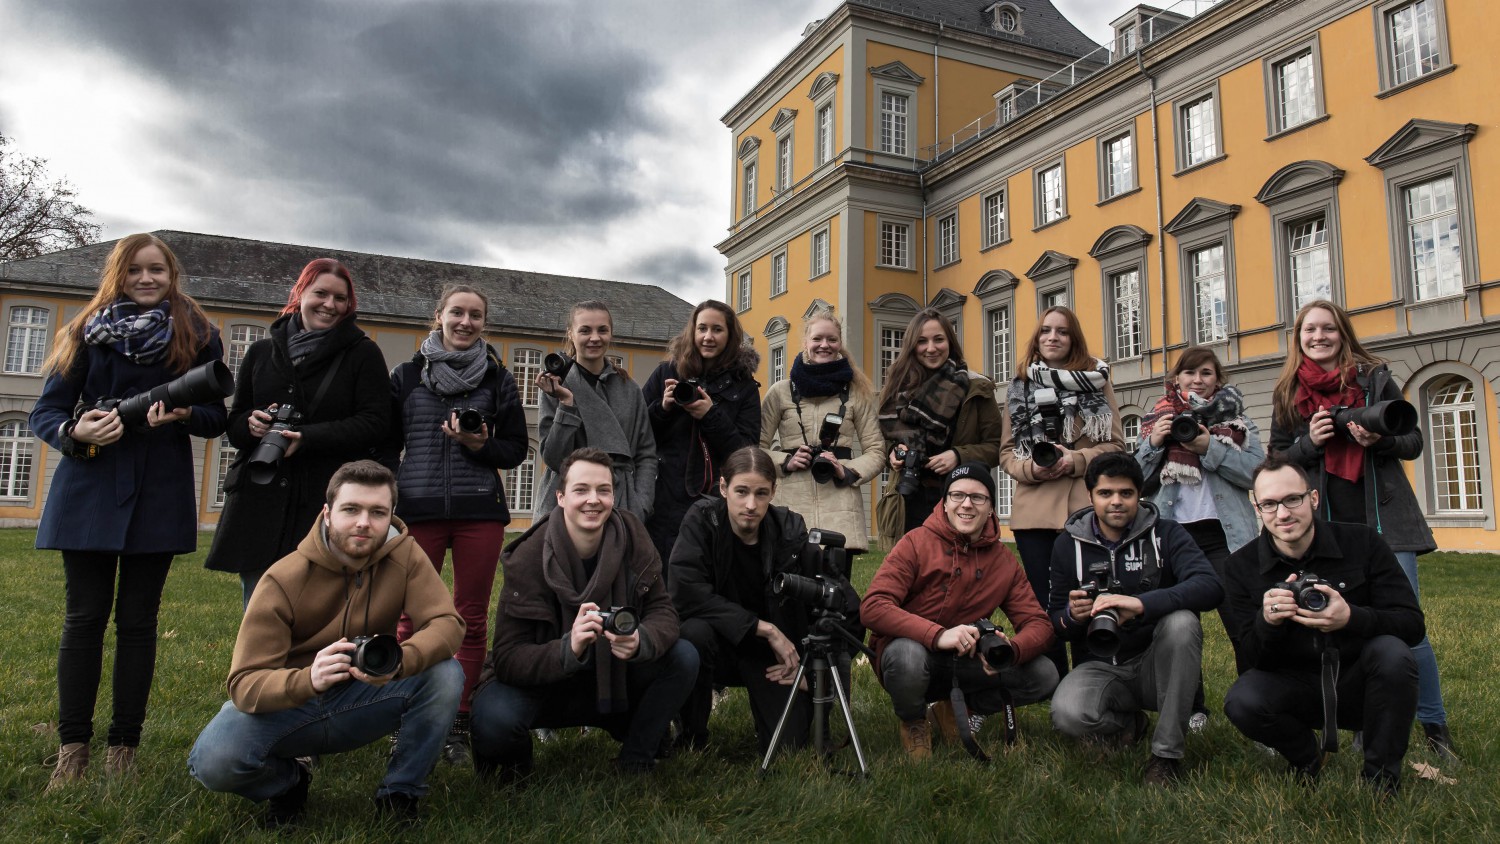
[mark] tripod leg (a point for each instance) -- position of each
(781, 722)
(843, 699)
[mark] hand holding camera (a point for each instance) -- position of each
(467, 426)
(961, 638)
(278, 440)
(687, 394)
(98, 427)
(1308, 600)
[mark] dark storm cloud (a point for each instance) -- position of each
(406, 124)
(677, 268)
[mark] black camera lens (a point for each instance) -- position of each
(378, 655)
(1185, 428)
(1045, 454)
(822, 468)
(992, 646)
(470, 421)
(557, 365)
(266, 458)
(1103, 636)
(209, 382)
(685, 392)
(1393, 418)
(621, 621)
(912, 457)
(1305, 590)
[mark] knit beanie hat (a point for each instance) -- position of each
(973, 471)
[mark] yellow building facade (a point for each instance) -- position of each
(1191, 184)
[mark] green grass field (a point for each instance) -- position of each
(1046, 788)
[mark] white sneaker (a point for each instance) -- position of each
(1198, 721)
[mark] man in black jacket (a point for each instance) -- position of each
(1152, 582)
(554, 661)
(1363, 610)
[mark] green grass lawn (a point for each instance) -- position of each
(1046, 788)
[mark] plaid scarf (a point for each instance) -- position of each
(143, 337)
(1079, 403)
(929, 410)
(1225, 413)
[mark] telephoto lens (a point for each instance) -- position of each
(208, 382)
(378, 655)
(266, 457)
(1393, 418)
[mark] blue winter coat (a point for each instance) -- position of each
(137, 495)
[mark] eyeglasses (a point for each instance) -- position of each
(956, 498)
(1291, 502)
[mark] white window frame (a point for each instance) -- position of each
(1193, 123)
(1388, 66)
(894, 244)
(1308, 257)
(26, 341)
(1126, 307)
(17, 460)
(1436, 227)
(784, 161)
(1000, 336)
(819, 253)
(1460, 416)
(224, 454)
(1117, 181)
(947, 240)
(1130, 427)
(1050, 207)
(994, 210)
(777, 367)
(1311, 108)
(748, 188)
(825, 133)
(742, 294)
(522, 477)
(526, 365)
(778, 273)
(241, 336)
(1201, 279)
(893, 129)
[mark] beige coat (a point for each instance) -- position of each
(1047, 504)
(825, 506)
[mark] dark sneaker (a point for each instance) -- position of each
(398, 807)
(1440, 742)
(1161, 771)
(1385, 787)
(286, 808)
(456, 747)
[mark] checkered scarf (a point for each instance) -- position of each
(1081, 404)
(143, 337)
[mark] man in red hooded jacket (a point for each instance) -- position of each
(922, 606)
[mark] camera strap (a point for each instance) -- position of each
(797, 400)
(965, 727)
(333, 369)
(1329, 677)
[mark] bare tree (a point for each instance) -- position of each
(38, 214)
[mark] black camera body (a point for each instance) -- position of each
(1185, 426)
(914, 456)
(1393, 418)
(267, 455)
(557, 365)
(992, 645)
(207, 382)
(686, 391)
(470, 419)
(822, 453)
(1302, 589)
(621, 621)
(1103, 636)
(378, 655)
(825, 555)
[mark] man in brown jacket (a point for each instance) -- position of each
(321, 617)
(923, 603)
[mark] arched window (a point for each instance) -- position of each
(1132, 427)
(17, 448)
(241, 338)
(26, 340)
(1453, 422)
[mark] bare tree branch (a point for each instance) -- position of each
(38, 216)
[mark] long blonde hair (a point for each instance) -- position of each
(860, 384)
(190, 327)
(1351, 354)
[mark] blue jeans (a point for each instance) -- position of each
(1429, 688)
(253, 755)
(501, 716)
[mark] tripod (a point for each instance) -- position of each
(818, 650)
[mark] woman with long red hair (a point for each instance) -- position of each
(319, 363)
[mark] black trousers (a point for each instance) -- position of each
(80, 655)
(1377, 693)
(1034, 546)
(725, 663)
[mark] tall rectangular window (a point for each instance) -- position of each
(16, 449)
(743, 293)
(1454, 422)
(778, 363)
(749, 189)
(241, 338)
(947, 239)
(1307, 252)
(784, 163)
(819, 253)
(1211, 305)
(994, 218)
(1125, 291)
(894, 240)
(825, 134)
(526, 365)
(225, 458)
(1007, 108)
(1295, 93)
(1000, 353)
(1435, 247)
(520, 482)
(26, 340)
(778, 273)
(1412, 37)
(893, 116)
(1004, 488)
(1055, 299)
(1200, 137)
(1050, 195)
(1119, 165)
(890, 348)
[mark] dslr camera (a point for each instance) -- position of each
(1302, 589)
(824, 453)
(1045, 453)
(825, 554)
(1393, 418)
(913, 456)
(1185, 425)
(686, 391)
(621, 621)
(378, 655)
(557, 365)
(1103, 637)
(470, 419)
(209, 382)
(992, 645)
(266, 457)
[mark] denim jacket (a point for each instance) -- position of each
(1226, 471)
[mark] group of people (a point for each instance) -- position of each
(666, 513)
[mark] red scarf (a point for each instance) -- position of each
(1317, 390)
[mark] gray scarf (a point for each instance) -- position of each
(304, 342)
(449, 373)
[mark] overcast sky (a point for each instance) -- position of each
(563, 136)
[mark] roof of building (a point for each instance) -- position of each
(1041, 24)
(255, 273)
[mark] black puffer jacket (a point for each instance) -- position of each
(732, 423)
(1390, 506)
(263, 523)
(438, 477)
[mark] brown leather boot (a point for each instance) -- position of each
(72, 761)
(120, 761)
(916, 739)
(941, 722)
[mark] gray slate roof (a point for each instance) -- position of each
(254, 273)
(1044, 26)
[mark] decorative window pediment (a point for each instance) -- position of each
(1420, 136)
(1005, 17)
(776, 326)
(817, 305)
(897, 71)
(826, 81)
(1120, 238)
(1298, 178)
(1051, 262)
(895, 303)
(783, 119)
(995, 281)
(1200, 212)
(947, 298)
(749, 146)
